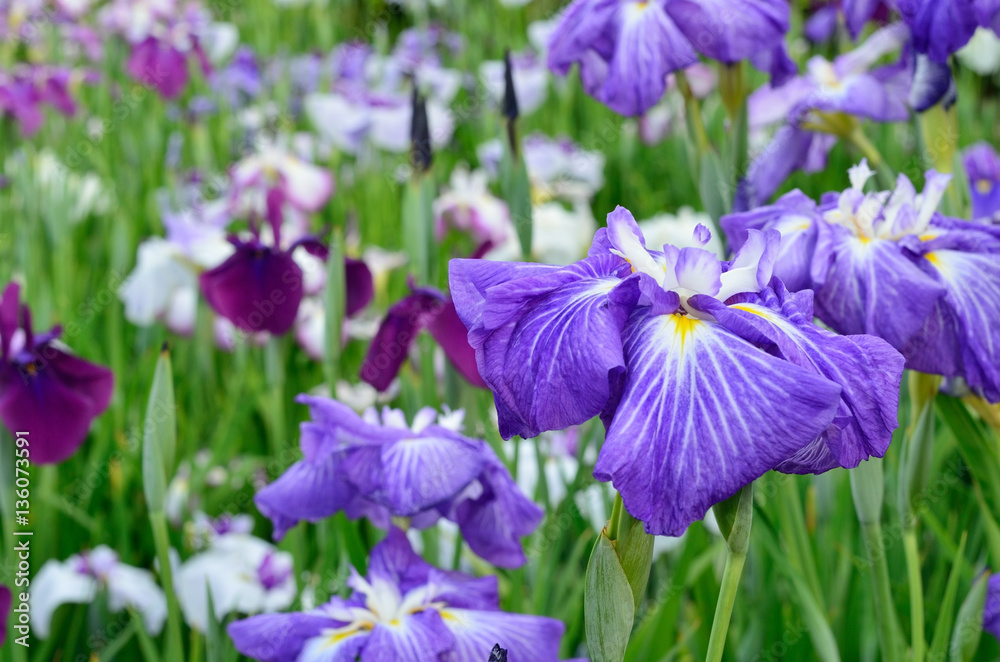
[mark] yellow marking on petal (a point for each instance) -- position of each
(984, 186)
(927, 236)
(754, 310)
(684, 326)
(933, 258)
(447, 615)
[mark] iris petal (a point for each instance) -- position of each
(526, 638)
(703, 413)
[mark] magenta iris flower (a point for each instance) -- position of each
(403, 610)
(26, 89)
(888, 264)
(626, 48)
(378, 466)
(707, 374)
(45, 391)
(4, 610)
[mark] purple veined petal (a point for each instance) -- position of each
(791, 148)
(419, 636)
(158, 64)
(425, 470)
(10, 308)
(394, 561)
(991, 611)
(866, 96)
(306, 491)
(867, 369)
(360, 286)
(469, 280)
(961, 337)
(982, 166)
(932, 83)
(256, 288)
(940, 27)
(870, 286)
(459, 590)
(55, 401)
(526, 638)
(549, 346)
(399, 330)
(649, 46)
(493, 522)
(702, 414)
(4, 611)
(731, 32)
(795, 216)
(580, 28)
(277, 637)
(449, 332)
(698, 270)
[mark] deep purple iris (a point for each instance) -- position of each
(888, 264)
(44, 391)
(260, 286)
(707, 374)
(403, 610)
(4, 610)
(991, 611)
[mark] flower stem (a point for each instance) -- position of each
(161, 540)
(695, 121)
(916, 593)
(887, 627)
(724, 608)
(616, 512)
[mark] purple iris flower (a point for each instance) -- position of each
(991, 611)
(404, 609)
(44, 390)
(982, 166)
(887, 264)
(626, 48)
(380, 467)
(707, 374)
(241, 81)
(850, 85)
(857, 13)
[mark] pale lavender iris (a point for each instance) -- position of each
(626, 48)
(45, 391)
(857, 13)
(707, 374)
(852, 85)
(380, 467)
(888, 264)
(982, 168)
(403, 610)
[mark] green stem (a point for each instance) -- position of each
(616, 513)
(916, 593)
(794, 522)
(724, 608)
(175, 645)
(886, 177)
(888, 629)
(695, 120)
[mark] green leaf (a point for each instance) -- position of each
(868, 488)
(915, 462)
(214, 635)
(946, 616)
(977, 450)
(608, 604)
(969, 627)
(735, 516)
(336, 297)
(516, 189)
(159, 441)
(635, 551)
(418, 219)
(714, 186)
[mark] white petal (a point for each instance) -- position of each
(137, 588)
(57, 584)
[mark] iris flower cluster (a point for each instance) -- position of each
(707, 374)
(888, 264)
